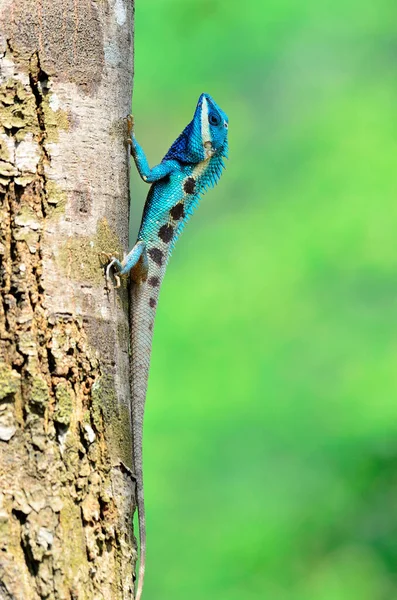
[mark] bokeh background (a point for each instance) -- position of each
(271, 424)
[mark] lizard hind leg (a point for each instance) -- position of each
(135, 261)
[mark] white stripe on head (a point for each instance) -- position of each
(205, 126)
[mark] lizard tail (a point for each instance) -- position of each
(142, 543)
(142, 312)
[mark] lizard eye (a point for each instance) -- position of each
(214, 119)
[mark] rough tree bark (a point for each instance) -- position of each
(65, 495)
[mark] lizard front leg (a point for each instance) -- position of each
(146, 173)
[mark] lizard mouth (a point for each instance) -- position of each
(209, 150)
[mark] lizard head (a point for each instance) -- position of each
(212, 123)
(204, 137)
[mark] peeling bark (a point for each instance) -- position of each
(66, 498)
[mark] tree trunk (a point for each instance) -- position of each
(66, 498)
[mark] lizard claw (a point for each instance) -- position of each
(123, 467)
(130, 128)
(108, 268)
(110, 259)
(106, 257)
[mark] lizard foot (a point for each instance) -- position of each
(123, 467)
(111, 259)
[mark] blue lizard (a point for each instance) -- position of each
(192, 164)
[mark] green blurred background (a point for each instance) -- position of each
(271, 423)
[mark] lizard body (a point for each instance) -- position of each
(193, 163)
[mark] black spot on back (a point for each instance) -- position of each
(152, 302)
(156, 255)
(190, 185)
(166, 232)
(154, 281)
(177, 212)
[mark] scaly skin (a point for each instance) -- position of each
(193, 163)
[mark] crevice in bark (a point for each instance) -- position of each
(32, 565)
(39, 83)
